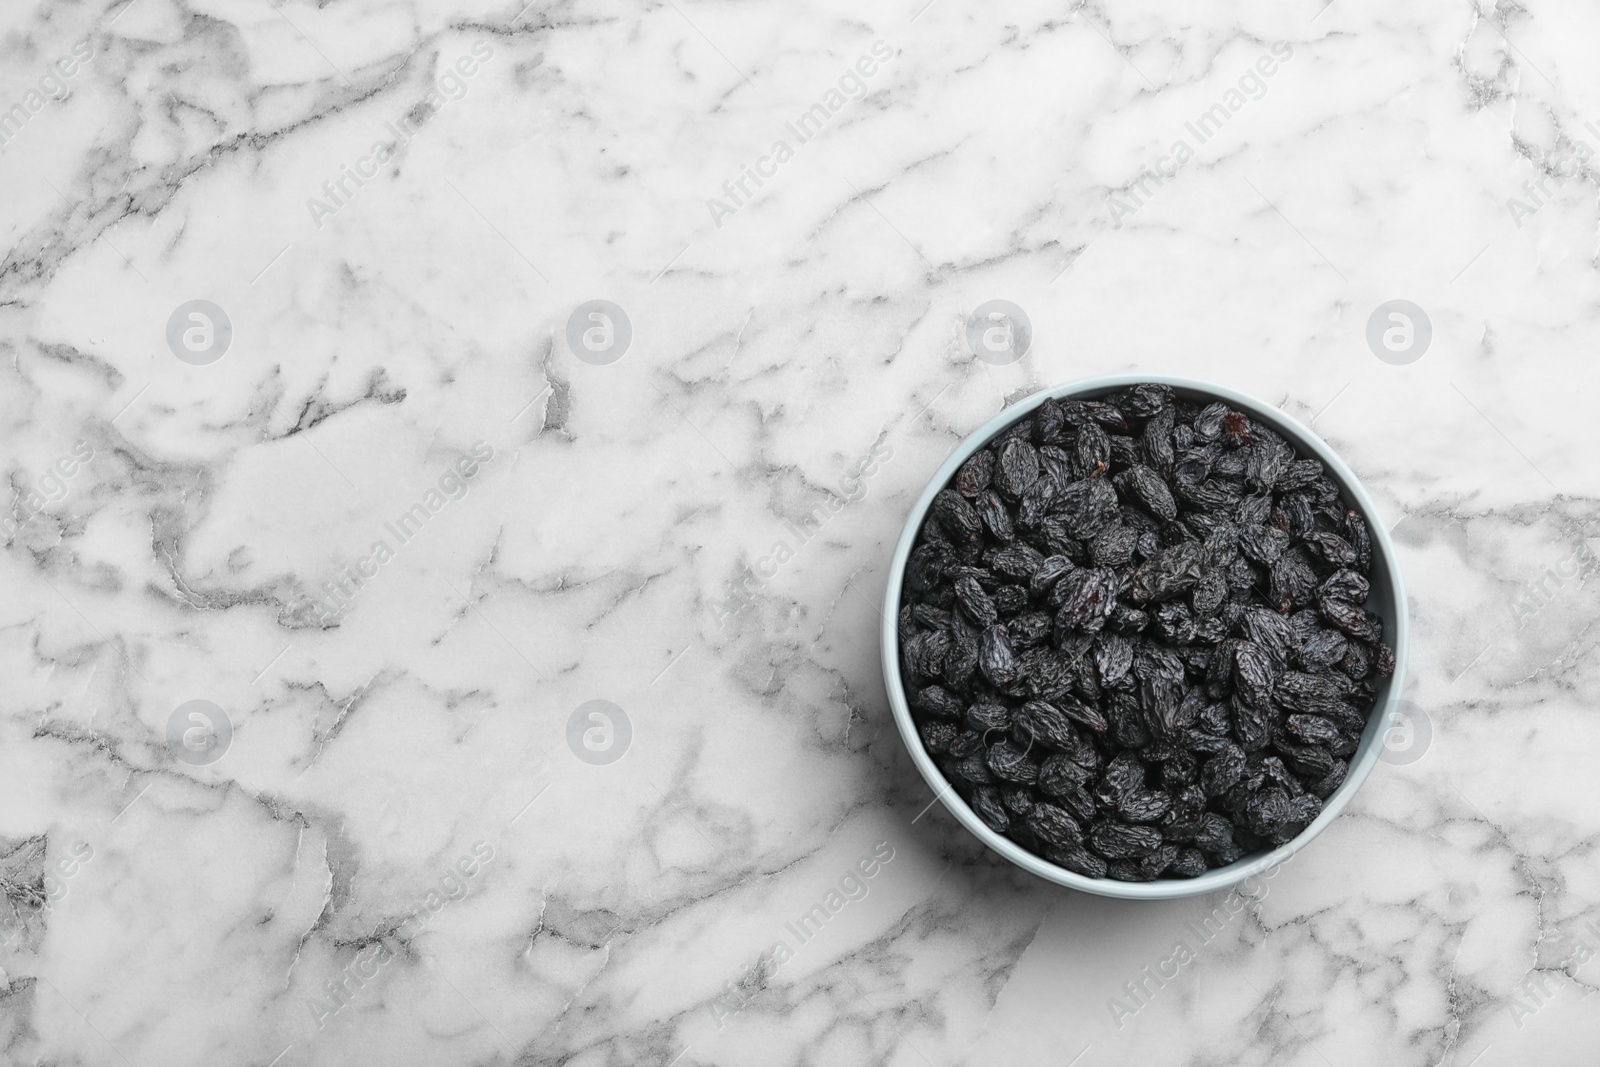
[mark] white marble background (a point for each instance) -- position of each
(159, 912)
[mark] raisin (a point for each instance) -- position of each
(1079, 860)
(966, 743)
(1049, 422)
(1144, 805)
(1345, 584)
(938, 702)
(1323, 787)
(992, 512)
(1047, 724)
(975, 474)
(1087, 506)
(1117, 841)
(1146, 399)
(1011, 764)
(961, 656)
(1272, 632)
(1170, 573)
(1254, 674)
(974, 602)
(1252, 723)
(1113, 546)
(1179, 771)
(1304, 809)
(1146, 487)
(958, 518)
(996, 659)
(1308, 761)
(1264, 544)
(1332, 548)
(1357, 660)
(1221, 772)
(936, 736)
(1054, 826)
(1311, 729)
(1323, 649)
(1209, 592)
(1157, 441)
(1123, 775)
(986, 802)
(1360, 540)
(1087, 596)
(1267, 810)
(1010, 599)
(1091, 451)
(1018, 800)
(1208, 424)
(973, 769)
(1016, 468)
(1059, 776)
(987, 716)
(1113, 657)
(1298, 475)
(1029, 629)
(1293, 581)
(1215, 833)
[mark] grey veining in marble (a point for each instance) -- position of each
(400, 504)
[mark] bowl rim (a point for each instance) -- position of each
(1361, 763)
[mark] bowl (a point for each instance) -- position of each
(1387, 600)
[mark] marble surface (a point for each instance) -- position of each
(397, 832)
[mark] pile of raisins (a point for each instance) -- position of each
(1133, 635)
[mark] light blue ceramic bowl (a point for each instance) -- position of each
(1387, 600)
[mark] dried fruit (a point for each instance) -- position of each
(1117, 841)
(996, 659)
(986, 802)
(1054, 826)
(1087, 596)
(1079, 859)
(1016, 468)
(975, 474)
(972, 600)
(992, 511)
(1134, 636)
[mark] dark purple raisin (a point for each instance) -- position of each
(1016, 468)
(1011, 764)
(975, 474)
(1054, 826)
(1078, 860)
(1116, 841)
(986, 802)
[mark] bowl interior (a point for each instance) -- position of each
(1387, 600)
